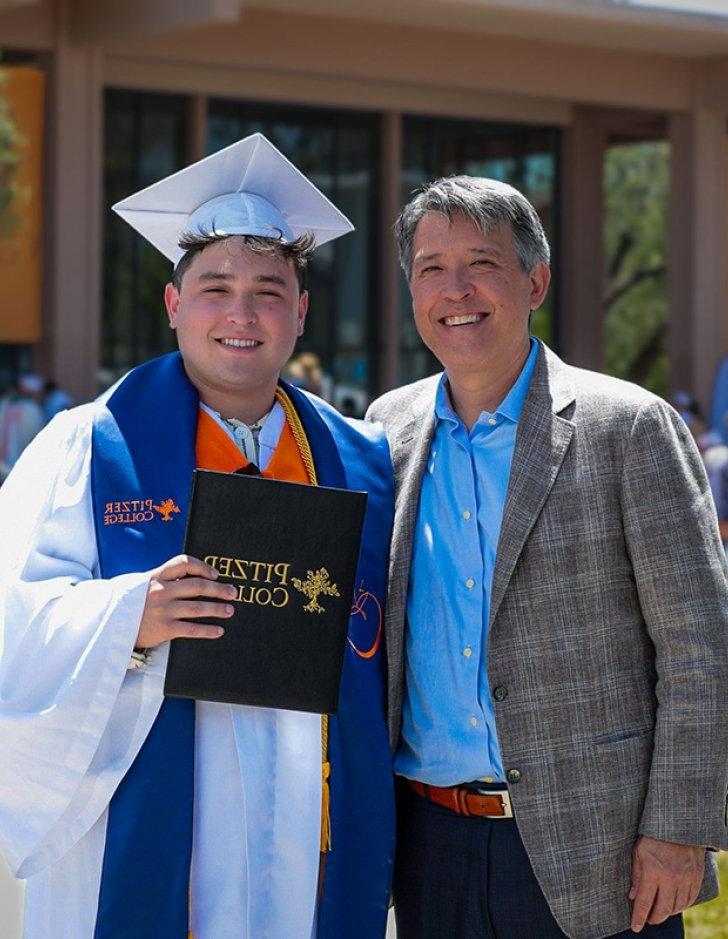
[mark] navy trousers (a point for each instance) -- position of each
(470, 878)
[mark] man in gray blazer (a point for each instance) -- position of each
(557, 623)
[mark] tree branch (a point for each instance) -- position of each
(636, 277)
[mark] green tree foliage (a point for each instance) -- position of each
(710, 920)
(636, 179)
(10, 141)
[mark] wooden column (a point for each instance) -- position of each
(388, 286)
(582, 241)
(70, 350)
(197, 132)
(698, 249)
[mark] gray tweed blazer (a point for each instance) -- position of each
(608, 627)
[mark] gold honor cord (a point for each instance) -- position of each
(304, 448)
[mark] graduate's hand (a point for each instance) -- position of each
(666, 879)
(181, 588)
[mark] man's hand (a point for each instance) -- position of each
(666, 878)
(176, 592)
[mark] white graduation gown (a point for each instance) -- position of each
(73, 718)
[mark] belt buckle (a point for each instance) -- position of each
(505, 797)
(507, 806)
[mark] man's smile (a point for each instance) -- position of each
(463, 319)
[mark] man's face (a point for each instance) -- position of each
(470, 295)
(237, 316)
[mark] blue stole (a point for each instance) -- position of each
(144, 449)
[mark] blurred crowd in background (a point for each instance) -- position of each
(25, 408)
(714, 451)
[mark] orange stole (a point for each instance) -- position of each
(214, 450)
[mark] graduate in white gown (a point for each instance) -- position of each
(132, 815)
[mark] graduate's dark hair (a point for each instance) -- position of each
(299, 251)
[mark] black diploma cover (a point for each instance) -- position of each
(291, 551)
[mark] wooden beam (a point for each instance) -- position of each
(333, 48)
(93, 22)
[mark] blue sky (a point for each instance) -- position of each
(701, 7)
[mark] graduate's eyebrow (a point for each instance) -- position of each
(261, 278)
(271, 279)
(214, 275)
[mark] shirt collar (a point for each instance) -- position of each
(510, 407)
(270, 432)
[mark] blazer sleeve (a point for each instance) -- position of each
(679, 566)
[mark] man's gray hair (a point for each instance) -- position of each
(487, 203)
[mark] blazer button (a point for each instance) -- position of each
(513, 775)
(500, 692)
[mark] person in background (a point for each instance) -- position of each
(305, 371)
(55, 400)
(21, 418)
(715, 459)
(714, 453)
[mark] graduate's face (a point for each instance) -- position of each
(237, 316)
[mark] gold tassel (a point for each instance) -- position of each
(325, 808)
(325, 786)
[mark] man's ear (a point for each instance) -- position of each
(302, 311)
(540, 277)
(171, 302)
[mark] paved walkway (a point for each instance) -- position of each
(11, 903)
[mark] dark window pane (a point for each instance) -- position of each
(144, 140)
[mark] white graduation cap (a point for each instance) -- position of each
(248, 188)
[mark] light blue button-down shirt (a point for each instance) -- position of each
(448, 725)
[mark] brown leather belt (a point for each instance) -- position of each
(466, 801)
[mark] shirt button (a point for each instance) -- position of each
(466, 514)
(500, 692)
(470, 583)
(474, 721)
(513, 775)
(492, 421)
(467, 652)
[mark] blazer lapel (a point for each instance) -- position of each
(542, 440)
(410, 450)
(410, 447)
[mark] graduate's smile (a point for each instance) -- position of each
(240, 343)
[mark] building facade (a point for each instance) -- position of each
(369, 99)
